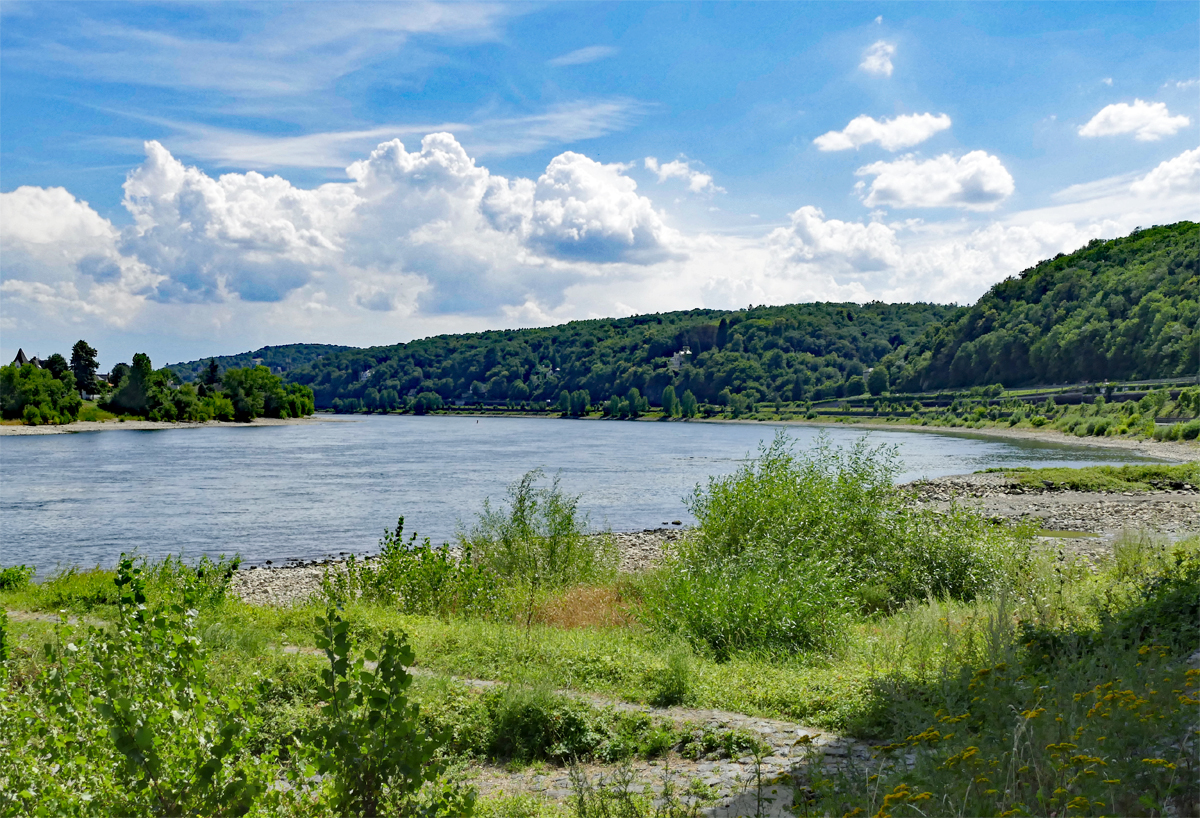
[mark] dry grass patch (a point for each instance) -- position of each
(586, 607)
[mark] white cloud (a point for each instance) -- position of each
(697, 181)
(892, 134)
(1107, 81)
(878, 59)
(582, 56)
(1174, 177)
(975, 181)
(1149, 121)
(588, 210)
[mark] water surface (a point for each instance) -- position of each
(311, 490)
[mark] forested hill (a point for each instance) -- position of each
(795, 352)
(1124, 309)
(280, 359)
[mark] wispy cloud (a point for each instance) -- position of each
(487, 136)
(878, 59)
(581, 56)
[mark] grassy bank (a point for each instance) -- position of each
(999, 678)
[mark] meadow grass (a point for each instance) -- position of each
(1139, 478)
(1047, 685)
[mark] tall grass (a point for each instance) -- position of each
(793, 546)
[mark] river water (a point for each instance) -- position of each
(307, 491)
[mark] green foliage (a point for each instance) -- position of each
(128, 723)
(15, 577)
(1124, 309)
(369, 746)
(1109, 478)
(36, 396)
(427, 402)
(282, 358)
(258, 393)
(793, 352)
(782, 546)
(417, 579)
(84, 364)
(538, 540)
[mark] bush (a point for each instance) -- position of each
(783, 547)
(538, 542)
(15, 577)
(418, 579)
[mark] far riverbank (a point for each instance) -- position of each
(147, 425)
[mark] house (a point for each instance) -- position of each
(678, 359)
(21, 360)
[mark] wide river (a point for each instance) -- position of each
(308, 491)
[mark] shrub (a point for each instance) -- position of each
(782, 544)
(418, 579)
(15, 577)
(369, 747)
(539, 540)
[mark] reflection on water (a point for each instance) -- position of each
(309, 490)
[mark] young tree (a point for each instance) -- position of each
(84, 364)
(669, 404)
(688, 404)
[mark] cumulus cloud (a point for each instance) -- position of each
(891, 134)
(975, 181)
(1174, 177)
(582, 56)
(587, 210)
(697, 181)
(1148, 121)
(878, 59)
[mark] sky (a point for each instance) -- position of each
(193, 180)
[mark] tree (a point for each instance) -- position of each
(855, 386)
(84, 364)
(427, 402)
(581, 402)
(518, 391)
(119, 372)
(669, 404)
(564, 402)
(877, 380)
(688, 404)
(212, 373)
(36, 396)
(133, 395)
(56, 364)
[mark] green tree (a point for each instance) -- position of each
(427, 402)
(855, 386)
(132, 396)
(669, 404)
(56, 364)
(877, 380)
(212, 373)
(36, 396)
(518, 391)
(688, 404)
(84, 364)
(563, 404)
(581, 402)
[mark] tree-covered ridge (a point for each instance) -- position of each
(794, 352)
(1124, 309)
(283, 358)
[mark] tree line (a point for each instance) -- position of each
(52, 394)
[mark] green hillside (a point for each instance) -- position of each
(283, 358)
(795, 352)
(1124, 309)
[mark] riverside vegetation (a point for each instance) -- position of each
(996, 675)
(1120, 311)
(51, 395)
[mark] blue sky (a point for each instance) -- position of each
(174, 178)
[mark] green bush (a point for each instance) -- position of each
(15, 577)
(36, 396)
(782, 545)
(417, 579)
(539, 540)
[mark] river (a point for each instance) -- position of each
(308, 491)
